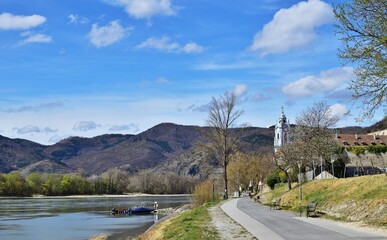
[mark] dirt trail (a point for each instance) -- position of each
(227, 228)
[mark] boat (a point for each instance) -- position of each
(115, 211)
(141, 210)
(135, 210)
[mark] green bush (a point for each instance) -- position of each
(273, 178)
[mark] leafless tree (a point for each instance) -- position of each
(314, 132)
(286, 159)
(224, 133)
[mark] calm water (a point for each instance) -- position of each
(77, 218)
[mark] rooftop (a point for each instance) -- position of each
(360, 139)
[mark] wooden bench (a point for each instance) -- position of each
(275, 203)
(311, 208)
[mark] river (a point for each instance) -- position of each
(70, 218)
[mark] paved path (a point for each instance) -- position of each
(264, 223)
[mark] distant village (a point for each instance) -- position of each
(364, 154)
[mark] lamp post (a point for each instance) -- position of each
(213, 190)
(333, 169)
(299, 183)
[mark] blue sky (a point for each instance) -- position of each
(90, 67)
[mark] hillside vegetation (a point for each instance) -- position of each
(351, 199)
(161, 146)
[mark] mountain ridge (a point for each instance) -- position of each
(162, 144)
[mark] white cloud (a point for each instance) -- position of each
(145, 8)
(74, 19)
(49, 130)
(35, 38)
(192, 48)
(33, 129)
(120, 128)
(225, 66)
(166, 44)
(14, 22)
(43, 106)
(338, 110)
(292, 27)
(106, 35)
(163, 44)
(57, 138)
(85, 126)
(158, 81)
(199, 108)
(240, 89)
(326, 81)
(27, 129)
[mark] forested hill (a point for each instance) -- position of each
(127, 152)
(164, 143)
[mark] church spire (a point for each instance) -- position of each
(282, 131)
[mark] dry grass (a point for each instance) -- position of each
(192, 224)
(352, 199)
(157, 232)
(202, 193)
(99, 237)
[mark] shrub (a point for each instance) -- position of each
(203, 193)
(273, 179)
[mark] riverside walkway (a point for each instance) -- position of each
(266, 224)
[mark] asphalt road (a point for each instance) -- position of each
(264, 223)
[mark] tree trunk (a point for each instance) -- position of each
(225, 180)
(289, 181)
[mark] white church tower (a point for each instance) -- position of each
(282, 131)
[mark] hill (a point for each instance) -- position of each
(166, 147)
(381, 125)
(159, 146)
(352, 199)
(18, 153)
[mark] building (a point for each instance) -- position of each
(282, 132)
(361, 159)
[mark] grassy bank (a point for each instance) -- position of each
(192, 224)
(350, 199)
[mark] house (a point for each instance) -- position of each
(367, 153)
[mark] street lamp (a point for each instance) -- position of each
(333, 169)
(299, 183)
(213, 190)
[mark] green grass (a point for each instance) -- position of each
(193, 224)
(352, 199)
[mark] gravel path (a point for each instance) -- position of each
(228, 229)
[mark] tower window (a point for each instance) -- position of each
(277, 135)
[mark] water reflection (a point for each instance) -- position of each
(77, 218)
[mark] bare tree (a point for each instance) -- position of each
(286, 159)
(314, 133)
(224, 133)
(118, 180)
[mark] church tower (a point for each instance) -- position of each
(282, 131)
